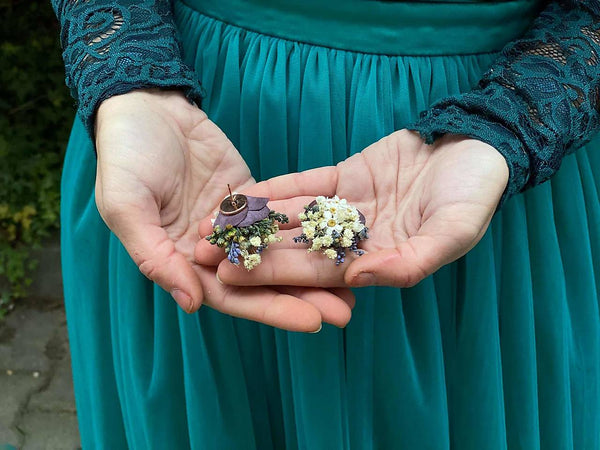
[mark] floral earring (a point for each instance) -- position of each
(244, 227)
(332, 226)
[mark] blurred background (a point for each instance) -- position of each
(37, 410)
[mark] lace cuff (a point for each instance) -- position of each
(538, 102)
(113, 47)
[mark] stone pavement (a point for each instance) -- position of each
(37, 407)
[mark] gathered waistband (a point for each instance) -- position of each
(389, 28)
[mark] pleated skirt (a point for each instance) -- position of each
(500, 349)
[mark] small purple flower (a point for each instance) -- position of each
(256, 210)
(234, 253)
(341, 256)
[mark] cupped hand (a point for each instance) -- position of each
(162, 166)
(425, 206)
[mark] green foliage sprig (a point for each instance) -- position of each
(36, 113)
(248, 242)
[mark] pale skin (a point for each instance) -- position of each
(425, 206)
(162, 170)
(162, 167)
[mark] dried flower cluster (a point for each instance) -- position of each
(249, 241)
(332, 226)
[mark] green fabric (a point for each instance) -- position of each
(498, 350)
(538, 101)
(373, 26)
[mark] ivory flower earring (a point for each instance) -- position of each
(244, 227)
(332, 226)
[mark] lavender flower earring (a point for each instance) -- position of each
(244, 227)
(332, 226)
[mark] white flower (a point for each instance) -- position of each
(302, 216)
(316, 243)
(338, 228)
(251, 261)
(255, 241)
(357, 227)
(331, 217)
(330, 253)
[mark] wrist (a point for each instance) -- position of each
(136, 101)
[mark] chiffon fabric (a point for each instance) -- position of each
(500, 349)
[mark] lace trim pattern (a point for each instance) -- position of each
(539, 101)
(113, 47)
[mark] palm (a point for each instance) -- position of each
(163, 161)
(423, 202)
(425, 206)
(162, 166)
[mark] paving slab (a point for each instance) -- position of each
(15, 391)
(50, 430)
(24, 335)
(37, 406)
(58, 395)
(8, 435)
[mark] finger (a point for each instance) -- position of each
(286, 267)
(321, 181)
(138, 228)
(210, 255)
(291, 207)
(207, 254)
(259, 304)
(345, 294)
(441, 239)
(205, 227)
(406, 265)
(334, 309)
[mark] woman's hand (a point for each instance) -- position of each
(425, 206)
(162, 166)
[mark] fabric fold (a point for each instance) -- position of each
(496, 350)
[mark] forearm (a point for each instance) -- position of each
(538, 102)
(111, 47)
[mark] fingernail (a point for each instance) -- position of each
(364, 279)
(218, 279)
(182, 299)
(315, 332)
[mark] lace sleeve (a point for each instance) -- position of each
(111, 47)
(538, 102)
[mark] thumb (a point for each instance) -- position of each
(439, 242)
(139, 230)
(403, 266)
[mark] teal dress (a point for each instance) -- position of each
(500, 349)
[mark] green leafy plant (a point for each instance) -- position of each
(248, 242)
(36, 113)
